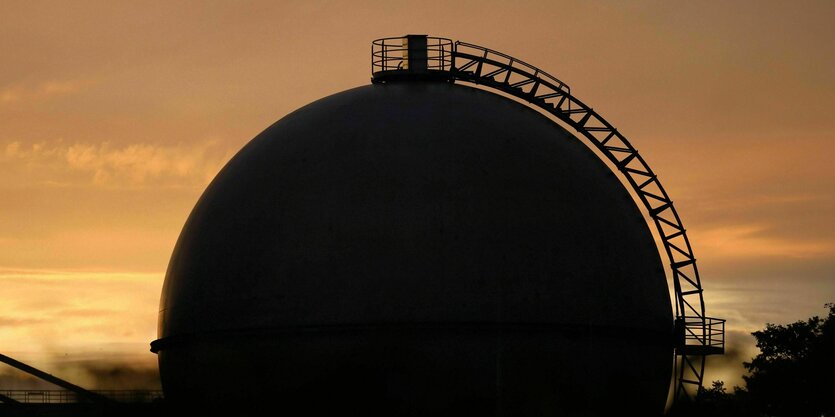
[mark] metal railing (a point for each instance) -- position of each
(708, 332)
(504, 61)
(392, 54)
(66, 396)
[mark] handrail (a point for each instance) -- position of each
(536, 71)
(391, 54)
(705, 331)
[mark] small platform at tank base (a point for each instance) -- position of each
(700, 336)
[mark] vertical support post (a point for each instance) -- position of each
(417, 58)
(680, 333)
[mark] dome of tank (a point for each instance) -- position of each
(417, 248)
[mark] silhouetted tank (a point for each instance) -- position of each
(417, 248)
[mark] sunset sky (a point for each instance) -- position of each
(114, 116)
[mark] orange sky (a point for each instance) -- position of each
(115, 115)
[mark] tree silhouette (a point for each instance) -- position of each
(793, 374)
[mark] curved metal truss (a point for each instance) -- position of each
(696, 335)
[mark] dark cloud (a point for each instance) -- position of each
(739, 348)
(89, 374)
(121, 376)
(18, 321)
(13, 379)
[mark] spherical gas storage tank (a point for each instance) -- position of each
(417, 248)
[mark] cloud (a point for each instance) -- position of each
(117, 375)
(44, 90)
(13, 379)
(739, 347)
(60, 87)
(756, 240)
(113, 312)
(139, 162)
(18, 321)
(92, 328)
(90, 373)
(103, 164)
